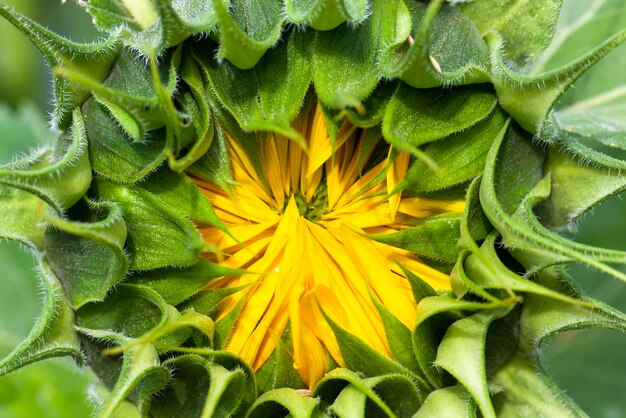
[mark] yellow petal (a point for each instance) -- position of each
(394, 291)
(299, 271)
(273, 168)
(395, 173)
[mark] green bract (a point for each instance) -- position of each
(478, 91)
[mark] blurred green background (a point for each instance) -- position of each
(589, 365)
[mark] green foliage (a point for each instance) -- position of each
(434, 238)
(536, 17)
(416, 118)
(111, 214)
(272, 92)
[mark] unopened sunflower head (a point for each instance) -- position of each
(305, 225)
(331, 208)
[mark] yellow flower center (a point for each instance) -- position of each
(301, 223)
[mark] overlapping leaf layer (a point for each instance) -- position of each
(474, 90)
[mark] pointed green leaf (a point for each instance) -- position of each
(452, 401)
(224, 325)
(99, 239)
(398, 392)
(362, 358)
(474, 227)
(109, 14)
(130, 85)
(416, 117)
(462, 354)
(196, 15)
(269, 96)
(345, 80)
(474, 223)
(130, 310)
(207, 300)
(372, 109)
(419, 287)
(434, 305)
(195, 105)
(486, 270)
(126, 409)
(285, 401)
(158, 236)
(235, 383)
(594, 109)
(425, 339)
(348, 395)
(591, 150)
(459, 157)
(603, 122)
(248, 29)
(502, 340)
(141, 374)
(462, 284)
(517, 190)
(435, 238)
(152, 26)
(278, 371)
(398, 338)
(581, 27)
(569, 176)
(199, 389)
(113, 153)
(179, 194)
(176, 285)
(351, 402)
(214, 166)
(185, 396)
(319, 14)
(527, 391)
(130, 88)
(59, 176)
(543, 317)
(136, 317)
(173, 330)
(129, 122)
(225, 392)
(232, 363)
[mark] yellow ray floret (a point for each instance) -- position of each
(300, 228)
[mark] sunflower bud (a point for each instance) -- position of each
(355, 215)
